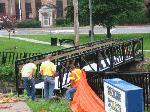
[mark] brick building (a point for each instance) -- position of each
(28, 9)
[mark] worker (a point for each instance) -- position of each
(27, 72)
(48, 71)
(74, 76)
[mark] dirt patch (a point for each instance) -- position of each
(14, 107)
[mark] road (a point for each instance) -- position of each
(82, 30)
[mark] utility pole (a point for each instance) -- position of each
(20, 10)
(91, 24)
(11, 10)
(76, 23)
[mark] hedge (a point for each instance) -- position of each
(29, 24)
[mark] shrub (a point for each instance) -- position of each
(7, 72)
(29, 24)
(63, 22)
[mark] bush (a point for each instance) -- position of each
(29, 24)
(63, 22)
(7, 72)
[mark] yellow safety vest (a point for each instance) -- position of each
(48, 68)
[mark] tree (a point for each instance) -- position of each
(147, 3)
(8, 23)
(108, 12)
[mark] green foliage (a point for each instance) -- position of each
(63, 22)
(50, 106)
(7, 72)
(83, 12)
(29, 24)
(109, 12)
(135, 18)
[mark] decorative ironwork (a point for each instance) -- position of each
(141, 79)
(104, 55)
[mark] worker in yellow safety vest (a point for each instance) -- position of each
(74, 76)
(27, 73)
(48, 71)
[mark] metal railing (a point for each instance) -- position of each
(11, 57)
(141, 79)
(106, 54)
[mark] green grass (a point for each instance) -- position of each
(146, 37)
(50, 106)
(84, 38)
(47, 38)
(23, 46)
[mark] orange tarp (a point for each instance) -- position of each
(85, 100)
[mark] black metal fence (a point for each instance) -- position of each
(141, 79)
(106, 54)
(11, 57)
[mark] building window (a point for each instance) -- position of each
(59, 5)
(2, 8)
(28, 9)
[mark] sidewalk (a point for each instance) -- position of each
(15, 107)
(27, 39)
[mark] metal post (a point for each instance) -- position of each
(123, 52)
(111, 58)
(133, 50)
(59, 65)
(98, 60)
(91, 25)
(42, 92)
(142, 49)
(17, 77)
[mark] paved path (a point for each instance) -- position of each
(27, 39)
(14, 107)
(82, 30)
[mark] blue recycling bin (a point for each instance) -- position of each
(121, 96)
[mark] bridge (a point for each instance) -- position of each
(103, 55)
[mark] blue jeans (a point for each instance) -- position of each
(69, 93)
(29, 86)
(49, 84)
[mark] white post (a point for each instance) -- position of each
(20, 10)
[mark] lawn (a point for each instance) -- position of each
(47, 38)
(28, 47)
(23, 46)
(49, 106)
(84, 38)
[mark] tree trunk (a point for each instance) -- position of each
(76, 23)
(108, 32)
(9, 34)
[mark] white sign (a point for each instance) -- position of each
(114, 99)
